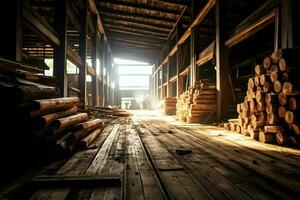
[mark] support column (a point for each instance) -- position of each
(82, 52)
(221, 61)
(101, 68)
(105, 60)
(195, 7)
(193, 58)
(95, 57)
(169, 84)
(11, 33)
(178, 68)
(60, 52)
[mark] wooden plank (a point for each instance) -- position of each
(228, 161)
(78, 180)
(77, 165)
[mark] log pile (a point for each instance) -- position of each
(34, 114)
(169, 105)
(57, 123)
(198, 104)
(107, 112)
(270, 109)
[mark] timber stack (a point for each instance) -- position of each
(169, 105)
(198, 104)
(270, 111)
(35, 116)
(204, 102)
(57, 123)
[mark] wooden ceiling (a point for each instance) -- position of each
(139, 29)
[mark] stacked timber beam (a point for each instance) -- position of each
(169, 105)
(270, 111)
(57, 123)
(198, 104)
(35, 116)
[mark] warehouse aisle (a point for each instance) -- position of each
(150, 156)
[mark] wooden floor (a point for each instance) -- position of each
(222, 165)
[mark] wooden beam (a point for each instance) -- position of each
(154, 29)
(83, 52)
(222, 61)
(39, 24)
(141, 6)
(200, 17)
(11, 34)
(60, 50)
(95, 58)
(101, 54)
(146, 44)
(207, 54)
(135, 20)
(252, 29)
(135, 34)
(286, 24)
(133, 37)
(176, 2)
(143, 33)
(133, 14)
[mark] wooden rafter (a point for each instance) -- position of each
(142, 6)
(137, 26)
(134, 20)
(118, 27)
(134, 33)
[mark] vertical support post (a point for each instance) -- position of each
(195, 6)
(101, 68)
(286, 24)
(169, 84)
(178, 68)
(60, 51)
(11, 35)
(221, 60)
(95, 58)
(193, 58)
(82, 52)
(105, 60)
(276, 30)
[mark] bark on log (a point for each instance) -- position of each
(69, 121)
(46, 106)
(88, 140)
(45, 120)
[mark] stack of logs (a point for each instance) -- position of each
(33, 113)
(169, 105)
(57, 123)
(198, 104)
(270, 111)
